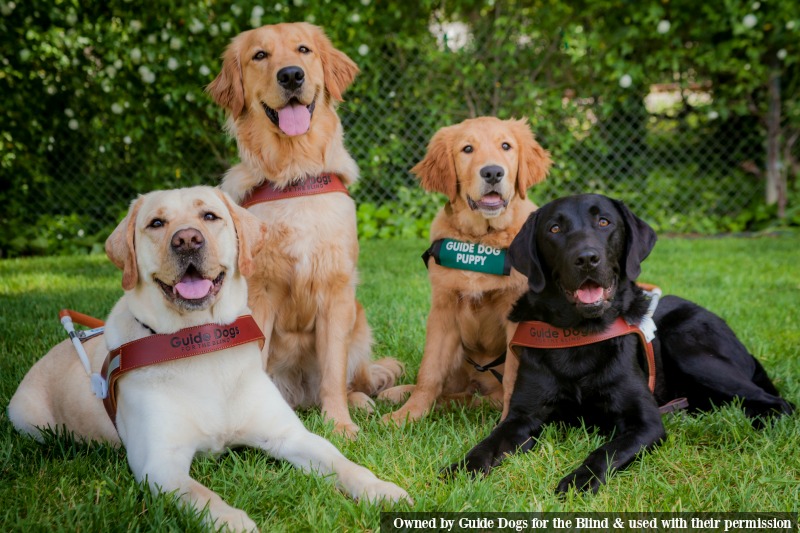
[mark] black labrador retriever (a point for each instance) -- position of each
(581, 255)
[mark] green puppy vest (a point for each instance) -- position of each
(472, 256)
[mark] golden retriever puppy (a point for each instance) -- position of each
(484, 166)
(280, 85)
(184, 254)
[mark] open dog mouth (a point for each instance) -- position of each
(192, 290)
(488, 203)
(292, 119)
(591, 294)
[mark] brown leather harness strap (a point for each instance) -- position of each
(535, 334)
(184, 343)
(267, 192)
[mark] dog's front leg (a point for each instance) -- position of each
(517, 433)
(639, 436)
(530, 408)
(510, 369)
(165, 466)
(443, 353)
(334, 330)
(279, 432)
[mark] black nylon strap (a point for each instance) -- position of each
(490, 367)
(432, 251)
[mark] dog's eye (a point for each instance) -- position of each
(210, 216)
(555, 228)
(261, 54)
(506, 146)
(304, 50)
(156, 223)
(603, 222)
(467, 149)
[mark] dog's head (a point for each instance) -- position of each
(282, 74)
(483, 162)
(185, 246)
(582, 247)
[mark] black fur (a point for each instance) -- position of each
(567, 248)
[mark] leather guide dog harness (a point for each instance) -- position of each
(463, 255)
(534, 334)
(268, 192)
(163, 347)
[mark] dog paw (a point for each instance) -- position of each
(450, 472)
(359, 400)
(582, 480)
(471, 466)
(234, 520)
(396, 394)
(401, 417)
(384, 372)
(763, 417)
(346, 429)
(387, 491)
(389, 420)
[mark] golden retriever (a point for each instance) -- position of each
(485, 166)
(183, 254)
(281, 85)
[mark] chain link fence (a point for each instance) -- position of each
(682, 171)
(684, 174)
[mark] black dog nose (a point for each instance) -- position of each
(291, 77)
(587, 259)
(492, 173)
(187, 240)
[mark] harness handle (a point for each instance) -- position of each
(80, 318)
(66, 317)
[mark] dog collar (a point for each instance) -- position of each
(268, 192)
(463, 255)
(534, 334)
(162, 347)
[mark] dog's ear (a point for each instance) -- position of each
(524, 254)
(437, 171)
(534, 161)
(249, 234)
(121, 249)
(338, 70)
(640, 239)
(227, 89)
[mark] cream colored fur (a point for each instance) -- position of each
(171, 411)
(303, 289)
(469, 309)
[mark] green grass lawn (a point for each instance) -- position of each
(713, 462)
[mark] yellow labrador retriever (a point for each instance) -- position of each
(485, 166)
(280, 85)
(184, 255)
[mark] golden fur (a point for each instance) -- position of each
(469, 309)
(303, 290)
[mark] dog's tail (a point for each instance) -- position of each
(368, 376)
(377, 376)
(761, 379)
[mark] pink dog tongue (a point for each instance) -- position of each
(492, 199)
(192, 288)
(589, 293)
(294, 119)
